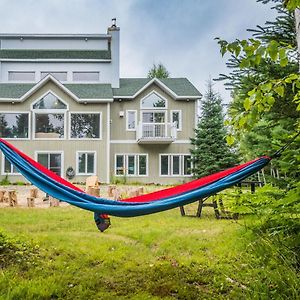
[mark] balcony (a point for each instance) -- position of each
(156, 133)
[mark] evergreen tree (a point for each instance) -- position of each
(158, 71)
(211, 152)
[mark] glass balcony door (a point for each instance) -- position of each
(154, 124)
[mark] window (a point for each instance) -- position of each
(49, 102)
(131, 164)
(176, 118)
(61, 76)
(86, 76)
(8, 168)
(86, 163)
(21, 76)
(14, 125)
(49, 126)
(131, 120)
(85, 126)
(153, 101)
(175, 165)
(52, 161)
(49, 117)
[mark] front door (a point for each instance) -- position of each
(52, 161)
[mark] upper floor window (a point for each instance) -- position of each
(131, 120)
(176, 118)
(85, 126)
(14, 125)
(86, 76)
(21, 76)
(153, 101)
(61, 76)
(49, 102)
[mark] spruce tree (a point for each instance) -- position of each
(210, 152)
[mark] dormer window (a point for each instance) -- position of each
(153, 101)
(49, 117)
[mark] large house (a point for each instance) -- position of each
(63, 102)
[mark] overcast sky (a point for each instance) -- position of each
(178, 33)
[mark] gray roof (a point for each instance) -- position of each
(54, 54)
(128, 88)
(180, 86)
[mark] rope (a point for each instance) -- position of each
(279, 151)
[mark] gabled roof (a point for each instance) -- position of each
(19, 92)
(7, 54)
(178, 88)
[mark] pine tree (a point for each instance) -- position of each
(210, 152)
(158, 71)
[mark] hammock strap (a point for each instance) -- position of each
(279, 151)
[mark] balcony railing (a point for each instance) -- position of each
(156, 132)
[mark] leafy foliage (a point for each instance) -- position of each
(211, 152)
(158, 71)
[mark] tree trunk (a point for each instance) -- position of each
(297, 21)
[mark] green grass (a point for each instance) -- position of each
(163, 256)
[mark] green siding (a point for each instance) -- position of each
(54, 54)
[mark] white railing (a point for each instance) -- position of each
(156, 131)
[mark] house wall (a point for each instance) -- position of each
(118, 131)
(54, 43)
(107, 74)
(69, 147)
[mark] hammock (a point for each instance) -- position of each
(181, 195)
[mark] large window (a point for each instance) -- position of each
(21, 76)
(131, 164)
(175, 165)
(61, 76)
(153, 101)
(86, 76)
(8, 168)
(14, 125)
(86, 163)
(85, 126)
(49, 118)
(52, 161)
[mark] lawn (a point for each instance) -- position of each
(58, 253)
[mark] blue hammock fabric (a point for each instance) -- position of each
(120, 208)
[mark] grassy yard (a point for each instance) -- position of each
(59, 254)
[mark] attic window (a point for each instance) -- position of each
(49, 102)
(153, 101)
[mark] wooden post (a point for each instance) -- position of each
(12, 197)
(2, 196)
(53, 202)
(34, 193)
(30, 202)
(110, 190)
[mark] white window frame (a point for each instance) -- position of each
(11, 168)
(154, 108)
(127, 119)
(29, 123)
(77, 163)
(170, 164)
(180, 118)
(85, 81)
(136, 164)
(49, 111)
(87, 113)
(52, 152)
(21, 81)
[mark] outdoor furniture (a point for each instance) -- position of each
(110, 190)
(3, 198)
